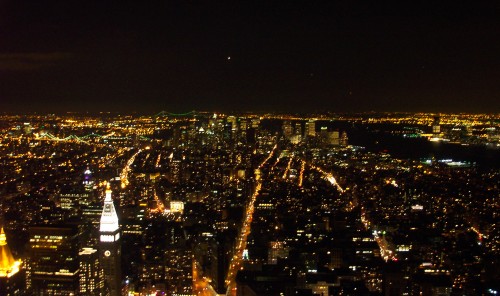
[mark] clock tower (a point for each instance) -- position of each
(110, 246)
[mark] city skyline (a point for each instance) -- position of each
(229, 56)
(236, 204)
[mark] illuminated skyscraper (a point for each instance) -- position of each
(110, 246)
(287, 128)
(276, 250)
(52, 267)
(27, 128)
(436, 127)
(344, 139)
(255, 123)
(88, 181)
(234, 122)
(251, 136)
(91, 275)
(311, 128)
(176, 171)
(298, 128)
(11, 279)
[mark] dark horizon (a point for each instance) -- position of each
(334, 56)
(98, 113)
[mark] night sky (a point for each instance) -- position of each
(287, 56)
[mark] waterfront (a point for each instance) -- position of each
(380, 139)
(421, 148)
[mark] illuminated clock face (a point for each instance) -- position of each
(107, 253)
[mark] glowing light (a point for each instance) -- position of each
(8, 266)
(277, 161)
(285, 174)
(301, 174)
(176, 206)
(126, 170)
(157, 165)
(236, 260)
(329, 177)
(109, 219)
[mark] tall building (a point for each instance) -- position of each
(52, 267)
(234, 122)
(176, 171)
(277, 249)
(72, 200)
(287, 128)
(27, 128)
(251, 136)
(334, 138)
(166, 260)
(344, 139)
(311, 128)
(298, 128)
(227, 132)
(91, 274)
(178, 261)
(88, 181)
(110, 246)
(255, 122)
(436, 127)
(11, 277)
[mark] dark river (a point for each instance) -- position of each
(378, 139)
(418, 148)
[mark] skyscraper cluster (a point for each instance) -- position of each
(242, 204)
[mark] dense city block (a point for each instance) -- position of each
(205, 203)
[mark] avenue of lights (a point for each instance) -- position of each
(270, 204)
(236, 260)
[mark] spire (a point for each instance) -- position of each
(108, 194)
(87, 172)
(3, 238)
(109, 219)
(8, 265)
(87, 175)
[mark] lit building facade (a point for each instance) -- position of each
(11, 276)
(88, 181)
(91, 274)
(311, 128)
(110, 246)
(52, 266)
